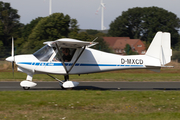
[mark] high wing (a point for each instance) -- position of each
(71, 43)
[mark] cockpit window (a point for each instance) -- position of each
(44, 53)
(67, 54)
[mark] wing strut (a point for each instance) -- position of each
(67, 71)
(61, 59)
(77, 59)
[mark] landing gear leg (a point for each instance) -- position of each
(66, 78)
(65, 83)
(27, 84)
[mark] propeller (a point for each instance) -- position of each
(12, 55)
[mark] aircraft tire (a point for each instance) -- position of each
(26, 88)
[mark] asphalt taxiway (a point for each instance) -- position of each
(119, 86)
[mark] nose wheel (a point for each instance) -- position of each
(26, 84)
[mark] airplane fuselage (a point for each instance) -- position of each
(91, 61)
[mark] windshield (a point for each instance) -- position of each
(44, 53)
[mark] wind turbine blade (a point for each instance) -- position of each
(103, 5)
(98, 10)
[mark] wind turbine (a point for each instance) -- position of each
(102, 7)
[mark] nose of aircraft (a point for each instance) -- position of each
(10, 59)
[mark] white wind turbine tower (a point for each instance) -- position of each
(50, 8)
(102, 6)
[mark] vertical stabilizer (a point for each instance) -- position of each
(160, 47)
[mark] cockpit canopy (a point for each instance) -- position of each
(44, 53)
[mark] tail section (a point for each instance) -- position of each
(160, 47)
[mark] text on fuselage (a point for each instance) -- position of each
(131, 61)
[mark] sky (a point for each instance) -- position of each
(84, 10)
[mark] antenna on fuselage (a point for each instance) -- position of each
(95, 39)
(93, 43)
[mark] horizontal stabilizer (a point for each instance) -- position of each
(153, 68)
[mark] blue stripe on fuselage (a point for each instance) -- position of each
(77, 64)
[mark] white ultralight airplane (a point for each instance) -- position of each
(69, 56)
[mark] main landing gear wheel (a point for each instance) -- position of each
(66, 78)
(63, 88)
(26, 88)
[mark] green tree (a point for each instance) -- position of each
(50, 28)
(176, 56)
(1, 43)
(10, 22)
(26, 30)
(84, 36)
(102, 45)
(92, 32)
(129, 50)
(29, 27)
(74, 28)
(143, 23)
(9, 26)
(1, 32)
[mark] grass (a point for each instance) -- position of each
(125, 75)
(97, 105)
(92, 104)
(166, 74)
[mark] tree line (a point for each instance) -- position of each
(30, 37)
(136, 23)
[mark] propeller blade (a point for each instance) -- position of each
(12, 54)
(13, 68)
